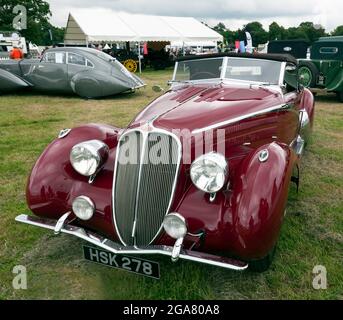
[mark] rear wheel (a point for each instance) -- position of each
(262, 265)
(308, 74)
(130, 65)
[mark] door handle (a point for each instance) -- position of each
(40, 67)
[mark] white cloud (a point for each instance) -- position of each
(232, 12)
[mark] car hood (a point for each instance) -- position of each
(197, 106)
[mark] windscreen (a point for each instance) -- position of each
(253, 70)
(242, 69)
(199, 69)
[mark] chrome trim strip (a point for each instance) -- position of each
(63, 133)
(111, 246)
(298, 145)
(175, 70)
(282, 73)
(224, 67)
(113, 184)
(237, 119)
(144, 144)
(304, 118)
(145, 131)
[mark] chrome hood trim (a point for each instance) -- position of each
(240, 118)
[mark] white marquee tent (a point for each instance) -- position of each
(102, 25)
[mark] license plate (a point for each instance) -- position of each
(321, 80)
(119, 261)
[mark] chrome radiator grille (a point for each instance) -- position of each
(144, 184)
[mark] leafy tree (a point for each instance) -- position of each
(259, 35)
(220, 27)
(338, 31)
(313, 32)
(295, 33)
(305, 31)
(38, 25)
(276, 32)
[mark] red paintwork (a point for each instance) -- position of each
(245, 219)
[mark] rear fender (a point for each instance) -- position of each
(306, 115)
(307, 103)
(85, 85)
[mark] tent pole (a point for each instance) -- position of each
(139, 57)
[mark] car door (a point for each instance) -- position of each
(77, 63)
(50, 73)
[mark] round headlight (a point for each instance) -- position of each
(175, 225)
(86, 157)
(83, 208)
(209, 172)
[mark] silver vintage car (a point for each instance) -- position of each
(86, 72)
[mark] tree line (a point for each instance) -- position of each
(305, 31)
(41, 32)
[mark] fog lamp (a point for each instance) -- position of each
(83, 208)
(175, 225)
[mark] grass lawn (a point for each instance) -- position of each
(311, 235)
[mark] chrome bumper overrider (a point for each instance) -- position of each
(109, 245)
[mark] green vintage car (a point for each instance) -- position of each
(325, 68)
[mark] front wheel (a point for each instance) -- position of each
(262, 265)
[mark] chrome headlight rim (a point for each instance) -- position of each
(205, 160)
(86, 200)
(97, 152)
(178, 217)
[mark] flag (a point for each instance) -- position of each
(242, 47)
(249, 47)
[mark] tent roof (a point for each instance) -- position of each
(97, 25)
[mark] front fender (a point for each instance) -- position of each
(10, 81)
(259, 199)
(53, 183)
(244, 220)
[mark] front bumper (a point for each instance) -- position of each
(113, 247)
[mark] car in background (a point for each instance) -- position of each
(297, 48)
(325, 68)
(86, 72)
(128, 58)
(201, 174)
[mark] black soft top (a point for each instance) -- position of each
(262, 56)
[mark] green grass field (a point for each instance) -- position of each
(311, 235)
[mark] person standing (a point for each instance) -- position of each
(16, 53)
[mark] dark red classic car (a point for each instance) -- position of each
(201, 174)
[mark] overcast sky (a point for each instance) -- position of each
(234, 13)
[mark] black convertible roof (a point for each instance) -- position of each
(262, 56)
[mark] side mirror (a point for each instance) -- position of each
(291, 68)
(157, 89)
